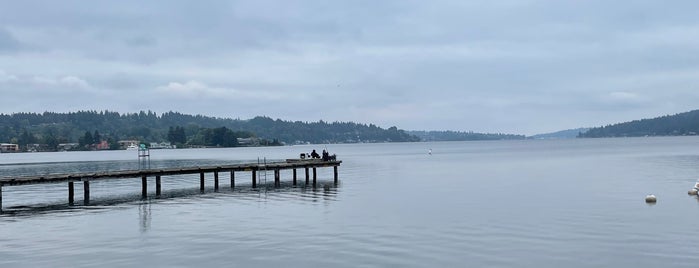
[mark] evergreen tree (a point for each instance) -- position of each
(113, 142)
(86, 140)
(96, 138)
(171, 135)
(181, 136)
(176, 135)
(26, 138)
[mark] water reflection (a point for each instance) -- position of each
(144, 216)
(326, 191)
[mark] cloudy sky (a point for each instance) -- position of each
(511, 66)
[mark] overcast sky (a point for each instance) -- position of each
(523, 67)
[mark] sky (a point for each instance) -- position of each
(507, 66)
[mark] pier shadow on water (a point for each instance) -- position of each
(323, 191)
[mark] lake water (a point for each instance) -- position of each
(552, 203)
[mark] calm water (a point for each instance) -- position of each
(567, 203)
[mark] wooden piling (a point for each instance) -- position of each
(314, 177)
(294, 177)
(0, 198)
(157, 185)
(232, 179)
(276, 178)
(144, 186)
(71, 193)
(254, 178)
(216, 180)
(307, 176)
(86, 192)
(201, 181)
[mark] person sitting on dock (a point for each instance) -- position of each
(314, 154)
(328, 157)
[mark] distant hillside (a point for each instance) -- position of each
(462, 136)
(669, 125)
(90, 127)
(563, 134)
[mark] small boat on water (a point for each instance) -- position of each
(132, 147)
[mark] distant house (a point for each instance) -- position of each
(103, 145)
(9, 148)
(123, 144)
(161, 145)
(67, 146)
(249, 141)
(35, 147)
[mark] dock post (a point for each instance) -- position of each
(0, 198)
(71, 193)
(254, 178)
(216, 180)
(86, 192)
(201, 181)
(157, 185)
(294, 177)
(276, 177)
(232, 179)
(314, 177)
(307, 175)
(144, 186)
(335, 171)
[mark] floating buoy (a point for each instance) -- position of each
(651, 198)
(692, 192)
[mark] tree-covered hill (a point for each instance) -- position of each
(51, 128)
(670, 125)
(563, 134)
(462, 136)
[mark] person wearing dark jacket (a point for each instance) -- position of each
(314, 154)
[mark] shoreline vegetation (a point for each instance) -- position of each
(681, 124)
(106, 130)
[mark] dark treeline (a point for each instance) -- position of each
(51, 129)
(462, 136)
(670, 125)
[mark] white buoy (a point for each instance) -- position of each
(694, 190)
(651, 198)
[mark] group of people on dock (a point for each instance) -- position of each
(325, 157)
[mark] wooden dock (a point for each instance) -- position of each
(144, 174)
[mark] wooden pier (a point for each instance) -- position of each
(254, 168)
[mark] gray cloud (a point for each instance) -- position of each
(7, 42)
(505, 66)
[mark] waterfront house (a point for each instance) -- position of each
(9, 148)
(103, 145)
(124, 144)
(67, 146)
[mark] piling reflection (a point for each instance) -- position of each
(144, 216)
(325, 191)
